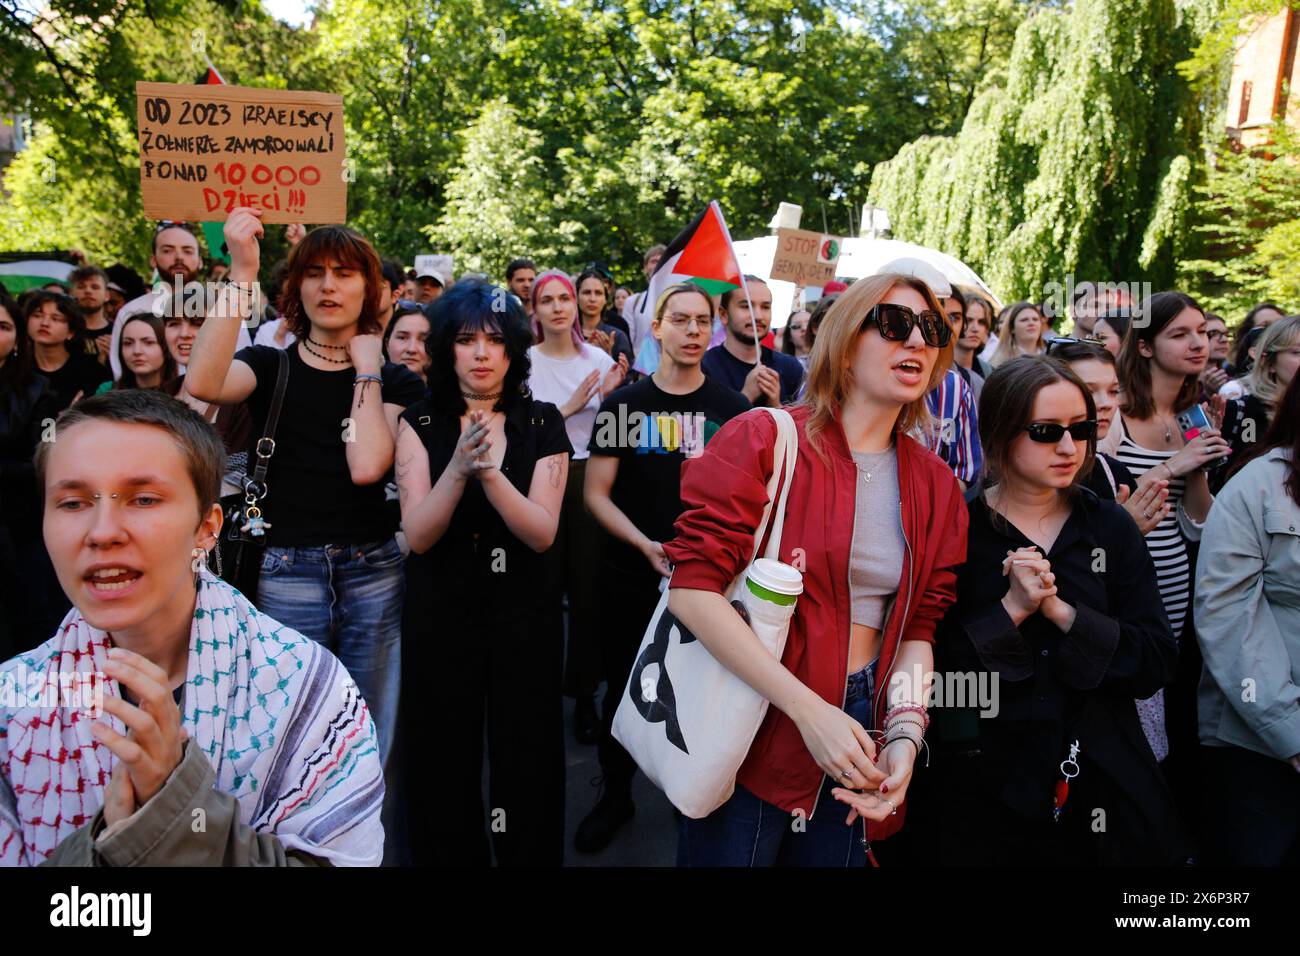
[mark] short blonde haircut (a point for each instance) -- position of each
(830, 375)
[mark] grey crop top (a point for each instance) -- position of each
(876, 562)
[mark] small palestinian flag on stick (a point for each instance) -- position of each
(703, 254)
(212, 77)
(214, 232)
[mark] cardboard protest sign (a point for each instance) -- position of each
(205, 150)
(805, 258)
(440, 264)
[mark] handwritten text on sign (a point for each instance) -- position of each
(206, 150)
(805, 258)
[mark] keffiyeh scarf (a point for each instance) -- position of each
(276, 714)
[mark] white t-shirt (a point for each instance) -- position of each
(638, 321)
(555, 380)
(990, 347)
(266, 335)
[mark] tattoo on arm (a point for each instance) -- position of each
(402, 468)
(553, 471)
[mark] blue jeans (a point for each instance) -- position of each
(747, 831)
(349, 599)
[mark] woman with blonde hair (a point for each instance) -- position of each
(869, 506)
(1021, 333)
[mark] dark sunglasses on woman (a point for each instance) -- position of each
(1049, 433)
(896, 322)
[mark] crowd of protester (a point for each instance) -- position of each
(430, 512)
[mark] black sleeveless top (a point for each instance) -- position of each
(478, 554)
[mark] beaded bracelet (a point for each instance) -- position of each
(905, 720)
(906, 709)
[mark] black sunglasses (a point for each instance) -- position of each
(896, 322)
(1063, 340)
(1049, 433)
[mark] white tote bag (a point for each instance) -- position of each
(687, 720)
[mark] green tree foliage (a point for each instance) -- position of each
(618, 119)
(496, 200)
(1076, 164)
(73, 67)
(1247, 211)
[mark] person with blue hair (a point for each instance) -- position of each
(481, 470)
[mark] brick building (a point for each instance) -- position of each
(1265, 81)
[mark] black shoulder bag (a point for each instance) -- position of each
(238, 553)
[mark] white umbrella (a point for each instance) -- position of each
(859, 257)
(865, 257)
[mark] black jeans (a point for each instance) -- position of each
(1252, 809)
(628, 600)
(573, 566)
(465, 670)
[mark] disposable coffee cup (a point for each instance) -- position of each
(774, 581)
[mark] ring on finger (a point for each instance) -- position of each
(846, 774)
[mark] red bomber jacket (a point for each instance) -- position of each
(723, 492)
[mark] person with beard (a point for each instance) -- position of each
(114, 300)
(520, 274)
(90, 289)
(177, 261)
(763, 376)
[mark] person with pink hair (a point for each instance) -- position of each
(576, 378)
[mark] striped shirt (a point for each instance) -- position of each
(956, 435)
(1165, 541)
(1168, 550)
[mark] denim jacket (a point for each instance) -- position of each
(1248, 613)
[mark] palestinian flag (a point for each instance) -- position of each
(702, 253)
(20, 271)
(211, 77)
(214, 232)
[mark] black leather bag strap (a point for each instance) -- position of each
(265, 446)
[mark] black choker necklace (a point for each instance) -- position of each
(322, 345)
(477, 397)
(324, 357)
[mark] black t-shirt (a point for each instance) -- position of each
(730, 371)
(650, 451)
(311, 500)
(80, 373)
(478, 555)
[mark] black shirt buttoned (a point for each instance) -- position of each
(1053, 688)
